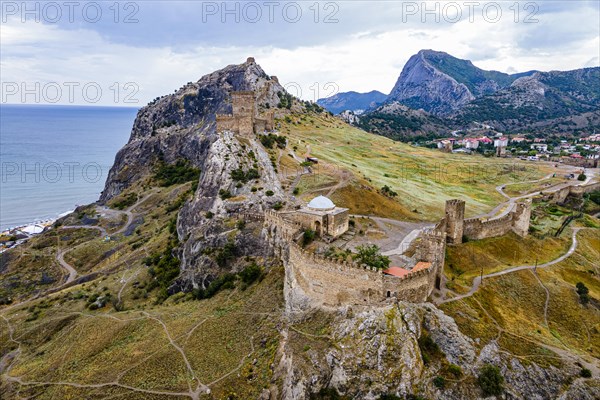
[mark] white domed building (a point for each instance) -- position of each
(324, 217)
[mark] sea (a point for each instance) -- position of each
(54, 158)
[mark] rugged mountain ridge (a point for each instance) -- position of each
(452, 93)
(561, 100)
(440, 83)
(352, 101)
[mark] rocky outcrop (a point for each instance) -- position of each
(422, 85)
(375, 351)
(182, 124)
(205, 222)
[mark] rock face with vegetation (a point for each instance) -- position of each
(236, 175)
(439, 83)
(564, 100)
(452, 93)
(182, 125)
(405, 350)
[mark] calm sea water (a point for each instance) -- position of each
(56, 157)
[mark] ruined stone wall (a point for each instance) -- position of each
(245, 126)
(243, 103)
(333, 283)
(226, 123)
(516, 220)
(560, 196)
(414, 287)
(479, 229)
(432, 248)
(521, 217)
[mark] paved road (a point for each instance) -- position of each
(477, 281)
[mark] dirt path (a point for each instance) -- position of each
(534, 272)
(478, 280)
(60, 255)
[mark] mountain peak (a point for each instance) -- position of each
(441, 83)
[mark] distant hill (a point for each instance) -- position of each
(399, 122)
(352, 101)
(564, 101)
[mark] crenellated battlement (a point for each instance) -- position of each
(517, 220)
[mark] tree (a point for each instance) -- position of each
(308, 236)
(490, 380)
(582, 177)
(583, 292)
(371, 256)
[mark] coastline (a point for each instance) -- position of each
(20, 234)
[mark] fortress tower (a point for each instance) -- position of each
(455, 219)
(521, 217)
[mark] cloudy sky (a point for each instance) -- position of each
(120, 53)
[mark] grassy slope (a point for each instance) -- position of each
(514, 303)
(423, 178)
(226, 333)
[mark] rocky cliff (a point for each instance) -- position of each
(182, 124)
(401, 350)
(440, 83)
(236, 177)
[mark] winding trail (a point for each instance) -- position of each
(478, 280)
(60, 255)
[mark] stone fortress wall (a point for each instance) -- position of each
(560, 196)
(332, 282)
(457, 227)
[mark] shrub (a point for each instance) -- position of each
(370, 255)
(455, 370)
(225, 281)
(277, 206)
(490, 380)
(388, 192)
(583, 292)
(244, 176)
(172, 174)
(269, 193)
(439, 382)
(224, 194)
(225, 254)
(585, 373)
(126, 201)
(581, 177)
(296, 191)
(251, 273)
(308, 236)
(209, 214)
(241, 224)
(269, 140)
